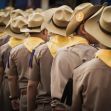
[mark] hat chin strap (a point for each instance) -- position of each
(105, 31)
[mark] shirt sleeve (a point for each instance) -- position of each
(11, 69)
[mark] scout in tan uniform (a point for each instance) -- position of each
(9, 9)
(5, 15)
(17, 12)
(4, 55)
(39, 94)
(19, 60)
(72, 56)
(91, 81)
(3, 21)
(4, 18)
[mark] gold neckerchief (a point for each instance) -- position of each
(14, 42)
(32, 42)
(2, 34)
(58, 41)
(105, 56)
(76, 40)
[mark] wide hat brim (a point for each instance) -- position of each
(54, 29)
(93, 28)
(26, 29)
(18, 36)
(74, 23)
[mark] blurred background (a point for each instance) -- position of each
(45, 4)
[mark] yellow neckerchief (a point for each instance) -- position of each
(105, 56)
(14, 42)
(31, 42)
(2, 34)
(58, 41)
(76, 40)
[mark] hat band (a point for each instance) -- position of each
(105, 31)
(34, 27)
(57, 25)
(15, 31)
(2, 24)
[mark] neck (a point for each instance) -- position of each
(103, 47)
(83, 33)
(36, 35)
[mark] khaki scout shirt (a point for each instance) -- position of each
(92, 87)
(18, 64)
(40, 71)
(4, 39)
(4, 54)
(64, 63)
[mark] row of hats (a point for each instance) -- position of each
(98, 23)
(19, 22)
(9, 16)
(56, 19)
(64, 21)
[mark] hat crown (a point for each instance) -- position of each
(80, 14)
(17, 12)
(105, 19)
(17, 23)
(4, 18)
(9, 9)
(35, 20)
(62, 16)
(83, 5)
(30, 10)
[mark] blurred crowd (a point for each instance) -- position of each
(24, 4)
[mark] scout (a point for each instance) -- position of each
(3, 39)
(17, 12)
(7, 14)
(39, 94)
(72, 56)
(4, 55)
(19, 60)
(9, 9)
(4, 18)
(91, 81)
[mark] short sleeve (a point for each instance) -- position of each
(11, 69)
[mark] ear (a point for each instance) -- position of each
(81, 30)
(45, 31)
